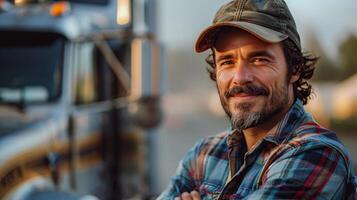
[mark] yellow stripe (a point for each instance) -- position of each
(18, 169)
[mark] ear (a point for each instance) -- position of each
(294, 78)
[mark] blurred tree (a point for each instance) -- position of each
(325, 67)
(347, 56)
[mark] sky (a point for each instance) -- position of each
(180, 21)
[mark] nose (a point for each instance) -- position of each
(242, 73)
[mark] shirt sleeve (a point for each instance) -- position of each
(305, 173)
(184, 179)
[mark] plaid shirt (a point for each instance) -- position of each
(299, 160)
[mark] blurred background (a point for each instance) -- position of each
(104, 97)
(327, 28)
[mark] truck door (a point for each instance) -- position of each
(105, 147)
(90, 125)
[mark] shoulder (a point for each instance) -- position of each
(215, 145)
(311, 140)
(214, 142)
(312, 135)
(208, 150)
(208, 144)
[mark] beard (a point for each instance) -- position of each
(244, 117)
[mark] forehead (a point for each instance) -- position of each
(232, 38)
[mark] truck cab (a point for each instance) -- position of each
(79, 91)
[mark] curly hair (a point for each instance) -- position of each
(299, 63)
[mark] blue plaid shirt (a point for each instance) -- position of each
(299, 160)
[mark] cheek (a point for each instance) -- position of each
(224, 76)
(277, 87)
(270, 79)
(220, 83)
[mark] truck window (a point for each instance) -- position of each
(112, 88)
(96, 80)
(28, 60)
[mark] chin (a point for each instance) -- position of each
(249, 106)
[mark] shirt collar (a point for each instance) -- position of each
(284, 129)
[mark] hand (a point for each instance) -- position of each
(194, 195)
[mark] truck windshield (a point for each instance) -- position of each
(31, 66)
(98, 2)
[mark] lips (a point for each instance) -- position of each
(244, 95)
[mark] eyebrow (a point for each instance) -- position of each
(260, 53)
(224, 57)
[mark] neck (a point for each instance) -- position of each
(255, 134)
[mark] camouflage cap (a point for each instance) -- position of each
(269, 20)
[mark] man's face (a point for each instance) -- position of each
(252, 78)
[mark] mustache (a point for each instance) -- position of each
(249, 89)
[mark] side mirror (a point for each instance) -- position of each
(146, 112)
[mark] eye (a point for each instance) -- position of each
(260, 61)
(226, 63)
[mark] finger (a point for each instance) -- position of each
(186, 196)
(177, 198)
(195, 195)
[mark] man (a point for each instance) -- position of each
(275, 149)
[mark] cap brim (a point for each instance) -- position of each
(207, 37)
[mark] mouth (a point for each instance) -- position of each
(244, 97)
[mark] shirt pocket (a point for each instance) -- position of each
(210, 191)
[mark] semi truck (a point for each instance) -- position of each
(80, 88)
